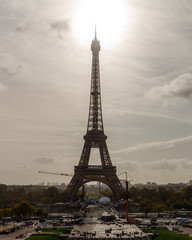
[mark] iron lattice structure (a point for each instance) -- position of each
(95, 138)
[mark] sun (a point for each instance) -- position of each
(107, 15)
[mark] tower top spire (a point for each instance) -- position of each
(95, 32)
(95, 46)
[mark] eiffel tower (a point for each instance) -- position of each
(95, 138)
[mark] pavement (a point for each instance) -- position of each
(25, 232)
(186, 230)
(95, 228)
(182, 230)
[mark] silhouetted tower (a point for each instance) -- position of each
(95, 138)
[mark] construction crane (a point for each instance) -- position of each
(63, 174)
(80, 176)
(130, 220)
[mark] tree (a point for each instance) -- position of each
(5, 212)
(34, 195)
(23, 210)
(163, 194)
(52, 193)
(3, 188)
(188, 192)
(146, 206)
(106, 193)
(41, 213)
(160, 208)
(46, 200)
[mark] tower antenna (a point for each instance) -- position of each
(95, 31)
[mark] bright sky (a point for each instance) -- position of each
(146, 79)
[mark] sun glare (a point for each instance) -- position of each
(107, 15)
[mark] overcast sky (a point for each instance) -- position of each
(146, 80)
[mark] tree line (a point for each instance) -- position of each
(160, 198)
(22, 210)
(51, 195)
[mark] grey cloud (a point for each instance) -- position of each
(152, 145)
(43, 160)
(10, 72)
(60, 27)
(151, 155)
(9, 66)
(170, 164)
(186, 164)
(42, 27)
(23, 27)
(2, 87)
(131, 165)
(164, 164)
(180, 87)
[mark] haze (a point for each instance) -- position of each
(146, 80)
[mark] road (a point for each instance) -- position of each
(12, 236)
(172, 224)
(187, 231)
(182, 230)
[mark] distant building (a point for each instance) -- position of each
(99, 186)
(190, 182)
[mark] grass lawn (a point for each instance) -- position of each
(57, 230)
(55, 235)
(165, 234)
(43, 237)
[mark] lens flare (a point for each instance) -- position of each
(107, 15)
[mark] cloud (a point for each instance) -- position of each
(165, 165)
(60, 27)
(170, 164)
(9, 66)
(9, 69)
(2, 87)
(173, 157)
(151, 145)
(43, 160)
(23, 27)
(39, 28)
(163, 170)
(180, 87)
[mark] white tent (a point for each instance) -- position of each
(104, 200)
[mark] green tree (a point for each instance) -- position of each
(146, 206)
(41, 213)
(188, 192)
(52, 193)
(34, 195)
(160, 207)
(46, 200)
(106, 193)
(3, 188)
(163, 194)
(5, 212)
(23, 209)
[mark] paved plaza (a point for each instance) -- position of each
(95, 228)
(105, 231)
